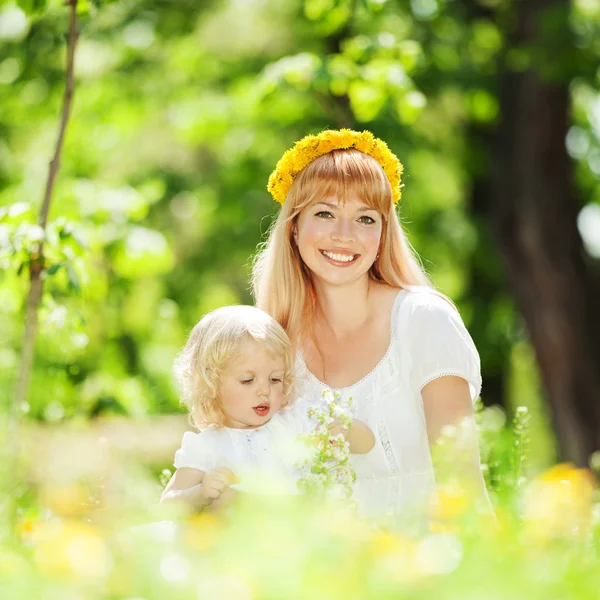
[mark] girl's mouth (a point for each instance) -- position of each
(262, 410)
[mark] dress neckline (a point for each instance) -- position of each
(402, 292)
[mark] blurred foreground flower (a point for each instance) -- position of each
(67, 500)
(69, 548)
(202, 530)
(559, 502)
(449, 503)
(328, 472)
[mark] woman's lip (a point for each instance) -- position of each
(338, 263)
(338, 251)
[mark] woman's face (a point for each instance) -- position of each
(338, 242)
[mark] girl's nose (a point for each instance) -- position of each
(262, 389)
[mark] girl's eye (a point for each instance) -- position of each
(246, 381)
(367, 220)
(276, 380)
(324, 214)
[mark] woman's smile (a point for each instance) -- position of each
(340, 259)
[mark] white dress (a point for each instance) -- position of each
(427, 340)
(264, 458)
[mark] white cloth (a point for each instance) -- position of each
(263, 458)
(427, 340)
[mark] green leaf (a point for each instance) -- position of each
(21, 267)
(30, 7)
(54, 268)
(74, 284)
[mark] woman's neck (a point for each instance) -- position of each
(343, 309)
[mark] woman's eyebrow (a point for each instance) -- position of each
(363, 209)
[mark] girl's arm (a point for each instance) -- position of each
(198, 489)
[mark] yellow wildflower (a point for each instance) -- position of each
(202, 530)
(71, 549)
(559, 502)
(449, 504)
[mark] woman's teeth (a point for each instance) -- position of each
(339, 257)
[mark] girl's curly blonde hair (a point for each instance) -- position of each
(217, 338)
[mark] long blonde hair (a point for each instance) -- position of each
(282, 284)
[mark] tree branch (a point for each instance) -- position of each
(36, 265)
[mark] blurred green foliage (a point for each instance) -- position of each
(181, 111)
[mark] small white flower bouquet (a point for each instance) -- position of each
(327, 472)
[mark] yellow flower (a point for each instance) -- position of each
(202, 530)
(365, 142)
(559, 502)
(71, 549)
(449, 504)
(312, 147)
(66, 500)
(384, 543)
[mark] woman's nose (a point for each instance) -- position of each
(343, 230)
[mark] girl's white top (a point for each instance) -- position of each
(264, 459)
(427, 340)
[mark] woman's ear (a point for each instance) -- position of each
(295, 233)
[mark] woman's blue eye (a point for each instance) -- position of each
(367, 220)
(324, 214)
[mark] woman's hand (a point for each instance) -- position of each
(358, 435)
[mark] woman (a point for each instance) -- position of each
(338, 273)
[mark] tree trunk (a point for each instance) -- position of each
(534, 215)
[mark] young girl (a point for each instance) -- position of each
(236, 375)
(337, 272)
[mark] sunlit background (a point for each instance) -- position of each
(181, 110)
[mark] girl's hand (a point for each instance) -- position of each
(214, 484)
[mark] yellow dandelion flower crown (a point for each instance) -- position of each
(311, 147)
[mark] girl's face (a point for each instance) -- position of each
(338, 242)
(251, 388)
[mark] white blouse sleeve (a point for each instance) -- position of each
(439, 344)
(195, 452)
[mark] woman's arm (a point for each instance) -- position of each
(447, 402)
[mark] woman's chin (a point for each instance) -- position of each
(327, 278)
